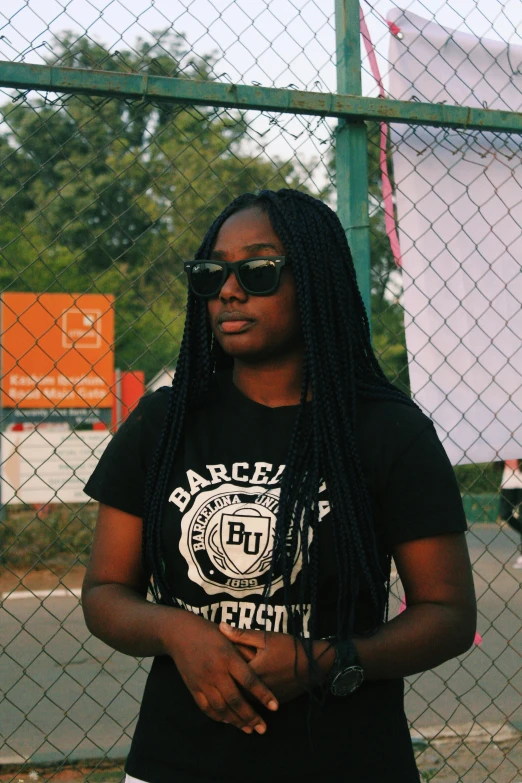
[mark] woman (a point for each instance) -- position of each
(275, 481)
(511, 500)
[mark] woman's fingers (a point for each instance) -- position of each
(250, 682)
(230, 707)
(247, 653)
(204, 705)
(218, 676)
(247, 649)
(248, 717)
(243, 636)
(223, 701)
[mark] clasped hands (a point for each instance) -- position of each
(278, 659)
(230, 671)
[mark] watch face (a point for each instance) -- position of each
(347, 681)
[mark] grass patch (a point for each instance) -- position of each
(56, 536)
(106, 771)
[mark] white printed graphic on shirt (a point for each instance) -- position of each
(227, 539)
(249, 614)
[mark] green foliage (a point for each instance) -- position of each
(389, 341)
(429, 774)
(111, 196)
(57, 537)
(479, 478)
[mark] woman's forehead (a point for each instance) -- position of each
(246, 228)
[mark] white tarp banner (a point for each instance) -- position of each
(49, 467)
(459, 202)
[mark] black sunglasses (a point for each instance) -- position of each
(258, 276)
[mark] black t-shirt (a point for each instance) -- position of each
(217, 537)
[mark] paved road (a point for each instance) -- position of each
(67, 693)
(486, 683)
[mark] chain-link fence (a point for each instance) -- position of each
(109, 177)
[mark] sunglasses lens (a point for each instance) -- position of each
(258, 276)
(206, 278)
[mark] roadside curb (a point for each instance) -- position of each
(57, 592)
(421, 738)
(473, 732)
(50, 758)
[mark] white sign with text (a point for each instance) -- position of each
(49, 466)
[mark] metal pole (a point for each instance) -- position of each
(351, 147)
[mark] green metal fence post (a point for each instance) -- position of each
(351, 147)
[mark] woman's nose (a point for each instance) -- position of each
(231, 289)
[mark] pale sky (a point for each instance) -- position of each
(271, 42)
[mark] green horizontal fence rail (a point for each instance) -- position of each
(79, 81)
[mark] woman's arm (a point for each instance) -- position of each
(438, 623)
(115, 588)
(117, 611)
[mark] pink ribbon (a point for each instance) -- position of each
(387, 191)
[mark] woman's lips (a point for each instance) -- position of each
(234, 322)
(234, 327)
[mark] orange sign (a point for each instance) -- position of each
(57, 350)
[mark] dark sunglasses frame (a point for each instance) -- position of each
(235, 267)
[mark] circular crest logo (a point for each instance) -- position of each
(227, 539)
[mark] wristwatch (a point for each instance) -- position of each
(346, 674)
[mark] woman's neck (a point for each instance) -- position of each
(270, 384)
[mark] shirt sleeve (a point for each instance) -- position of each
(420, 496)
(119, 478)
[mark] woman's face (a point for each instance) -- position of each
(264, 327)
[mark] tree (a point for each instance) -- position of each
(110, 195)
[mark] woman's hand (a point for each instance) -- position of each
(116, 611)
(279, 659)
(215, 672)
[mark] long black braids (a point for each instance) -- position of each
(339, 367)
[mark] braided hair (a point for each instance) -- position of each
(339, 367)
